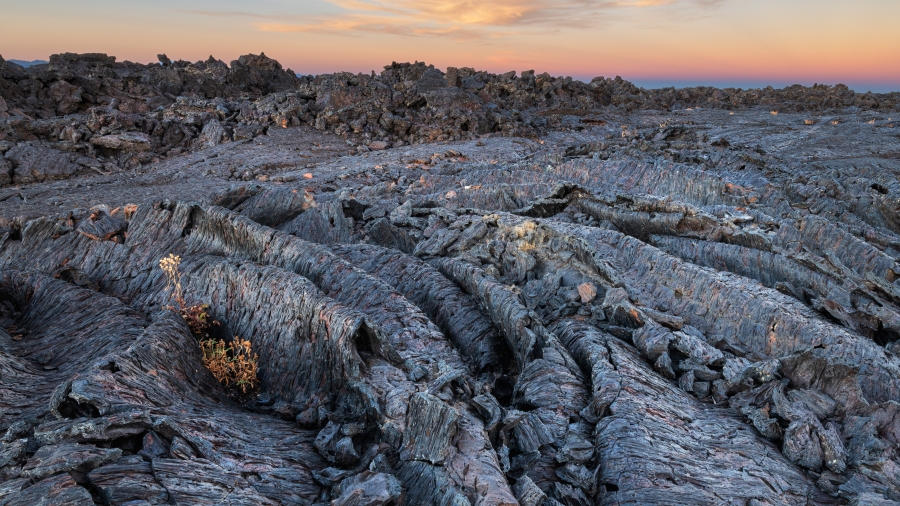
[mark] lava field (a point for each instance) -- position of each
(463, 288)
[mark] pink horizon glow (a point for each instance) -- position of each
(734, 41)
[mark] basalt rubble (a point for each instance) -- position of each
(84, 113)
(463, 288)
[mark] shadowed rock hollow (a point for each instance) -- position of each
(511, 290)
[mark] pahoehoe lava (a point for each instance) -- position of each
(464, 288)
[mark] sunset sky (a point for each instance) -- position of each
(651, 42)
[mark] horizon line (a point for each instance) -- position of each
(861, 86)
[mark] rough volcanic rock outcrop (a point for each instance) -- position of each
(123, 114)
(634, 308)
(478, 336)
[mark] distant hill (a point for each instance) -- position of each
(28, 63)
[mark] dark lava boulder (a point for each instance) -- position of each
(33, 164)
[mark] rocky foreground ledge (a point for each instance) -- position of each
(522, 338)
(597, 306)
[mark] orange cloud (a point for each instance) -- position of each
(497, 12)
(466, 18)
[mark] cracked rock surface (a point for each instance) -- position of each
(689, 300)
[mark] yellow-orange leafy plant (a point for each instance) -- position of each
(169, 266)
(235, 364)
(196, 315)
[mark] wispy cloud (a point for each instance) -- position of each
(498, 13)
(462, 19)
(350, 25)
(230, 14)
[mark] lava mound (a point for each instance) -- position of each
(598, 332)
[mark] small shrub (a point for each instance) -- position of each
(243, 365)
(230, 365)
(169, 266)
(198, 320)
(215, 358)
(196, 315)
